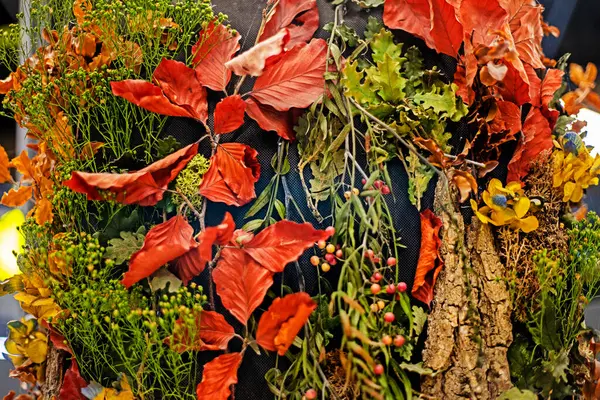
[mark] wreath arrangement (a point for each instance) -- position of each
(132, 296)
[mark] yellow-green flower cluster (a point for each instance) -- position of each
(506, 206)
(188, 181)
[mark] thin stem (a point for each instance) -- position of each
(475, 163)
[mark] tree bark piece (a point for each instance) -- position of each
(469, 325)
(54, 372)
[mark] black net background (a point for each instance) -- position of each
(244, 16)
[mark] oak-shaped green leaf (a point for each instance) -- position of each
(374, 26)
(163, 279)
(419, 319)
(120, 249)
(419, 176)
(518, 394)
(352, 80)
(382, 44)
(443, 100)
(387, 79)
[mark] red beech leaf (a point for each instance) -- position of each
(434, 21)
(270, 119)
(192, 263)
(145, 187)
(72, 384)
(147, 96)
(229, 114)
(178, 82)
(163, 243)
(525, 19)
(215, 46)
(241, 283)
(446, 31)
(6, 85)
(508, 118)
(282, 243)
(551, 83)
(430, 263)
(537, 138)
(296, 80)
(57, 339)
(482, 20)
(211, 332)
(535, 86)
(465, 91)
(253, 61)
(301, 17)
(280, 324)
(218, 376)
(514, 88)
(233, 172)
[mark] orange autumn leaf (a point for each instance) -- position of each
(300, 17)
(43, 211)
(585, 79)
(5, 175)
(280, 324)
(229, 114)
(218, 376)
(430, 263)
(22, 163)
(211, 332)
(18, 197)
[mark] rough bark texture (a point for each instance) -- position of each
(54, 373)
(469, 326)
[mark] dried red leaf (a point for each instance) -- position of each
(551, 83)
(430, 263)
(241, 283)
(18, 197)
(254, 61)
(217, 377)
(6, 85)
(282, 243)
(482, 20)
(464, 90)
(296, 80)
(72, 384)
(514, 87)
(163, 243)
(192, 263)
(300, 17)
(280, 324)
(525, 21)
(233, 172)
(229, 114)
(211, 332)
(178, 82)
(446, 31)
(507, 118)
(145, 187)
(216, 45)
(270, 119)
(535, 86)
(464, 182)
(537, 138)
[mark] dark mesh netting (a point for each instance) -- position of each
(245, 17)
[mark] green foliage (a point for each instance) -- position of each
(120, 249)
(113, 331)
(516, 394)
(568, 282)
(419, 176)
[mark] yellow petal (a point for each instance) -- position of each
(529, 224)
(494, 186)
(521, 207)
(577, 194)
(11, 347)
(37, 350)
(25, 298)
(513, 187)
(568, 191)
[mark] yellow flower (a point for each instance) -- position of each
(35, 297)
(505, 206)
(97, 392)
(25, 341)
(574, 172)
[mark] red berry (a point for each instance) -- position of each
(321, 244)
(311, 394)
(339, 253)
(399, 341)
(389, 317)
(386, 190)
(376, 260)
(401, 287)
(386, 339)
(330, 230)
(363, 181)
(314, 260)
(333, 262)
(369, 253)
(391, 261)
(376, 277)
(390, 289)
(330, 258)
(375, 288)
(378, 369)
(378, 184)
